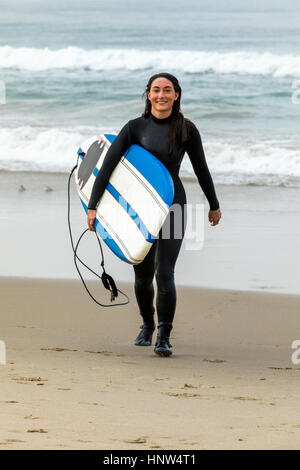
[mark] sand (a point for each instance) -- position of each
(74, 380)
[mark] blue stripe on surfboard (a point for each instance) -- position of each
(148, 167)
(131, 212)
(107, 238)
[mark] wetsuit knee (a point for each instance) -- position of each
(142, 282)
(165, 280)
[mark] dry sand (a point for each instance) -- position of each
(74, 379)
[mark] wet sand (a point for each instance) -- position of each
(255, 247)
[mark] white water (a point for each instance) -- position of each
(43, 149)
(190, 61)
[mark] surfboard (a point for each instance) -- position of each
(136, 200)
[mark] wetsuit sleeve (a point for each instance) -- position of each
(196, 154)
(112, 158)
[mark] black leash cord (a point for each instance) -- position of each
(106, 279)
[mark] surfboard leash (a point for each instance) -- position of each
(107, 280)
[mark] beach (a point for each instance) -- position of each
(73, 378)
(255, 246)
(70, 374)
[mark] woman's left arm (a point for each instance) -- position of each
(196, 154)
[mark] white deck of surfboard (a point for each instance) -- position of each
(115, 216)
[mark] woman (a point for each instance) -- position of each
(163, 131)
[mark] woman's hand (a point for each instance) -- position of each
(214, 217)
(91, 219)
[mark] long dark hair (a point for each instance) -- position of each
(177, 127)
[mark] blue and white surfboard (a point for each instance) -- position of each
(136, 200)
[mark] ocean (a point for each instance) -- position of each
(72, 69)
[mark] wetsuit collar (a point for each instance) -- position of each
(160, 121)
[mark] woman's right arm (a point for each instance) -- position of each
(112, 158)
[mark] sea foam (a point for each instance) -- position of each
(42, 149)
(189, 61)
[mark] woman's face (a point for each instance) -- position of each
(162, 96)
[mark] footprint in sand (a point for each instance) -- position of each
(105, 353)
(88, 403)
(9, 441)
(139, 440)
(215, 361)
(182, 395)
(81, 440)
(26, 380)
(187, 442)
(37, 430)
(59, 349)
(246, 398)
(25, 326)
(191, 386)
(8, 401)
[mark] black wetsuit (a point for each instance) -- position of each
(152, 134)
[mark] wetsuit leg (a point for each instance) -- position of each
(143, 286)
(168, 247)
